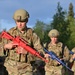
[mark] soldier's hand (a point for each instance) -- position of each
(73, 57)
(10, 45)
(59, 62)
(46, 55)
(21, 50)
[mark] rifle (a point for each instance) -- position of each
(21, 42)
(54, 57)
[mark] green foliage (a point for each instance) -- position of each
(58, 18)
(42, 29)
(46, 31)
(63, 23)
(60, 23)
(70, 12)
(39, 29)
(71, 27)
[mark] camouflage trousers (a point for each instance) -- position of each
(18, 68)
(53, 70)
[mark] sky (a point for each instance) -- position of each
(42, 10)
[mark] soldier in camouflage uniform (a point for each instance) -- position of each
(19, 64)
(54, 67)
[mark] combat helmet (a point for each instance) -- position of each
(53, 33)
(21, 15)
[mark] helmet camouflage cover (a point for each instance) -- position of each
(53, 33)
(20, 15)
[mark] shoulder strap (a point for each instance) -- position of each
(47, 45)
(29, 33)
(63, 46)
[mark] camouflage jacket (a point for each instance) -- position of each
(32, 39)
(61, 52)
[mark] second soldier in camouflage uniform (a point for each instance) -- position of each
(61, 51)
(19, 64)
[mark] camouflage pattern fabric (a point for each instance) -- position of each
(19, 64)
(1, 49)
(18, 68)
(73, 66)
(52, 68)
(3, 70)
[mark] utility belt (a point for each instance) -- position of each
(12, 55)
(56, 65)
(13, 62)
(18, 58)
(24, 58)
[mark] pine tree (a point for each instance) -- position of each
(59, 22)
(71, 26)
(70, 12)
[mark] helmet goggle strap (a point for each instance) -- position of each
(19, 19)
(54, 35)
